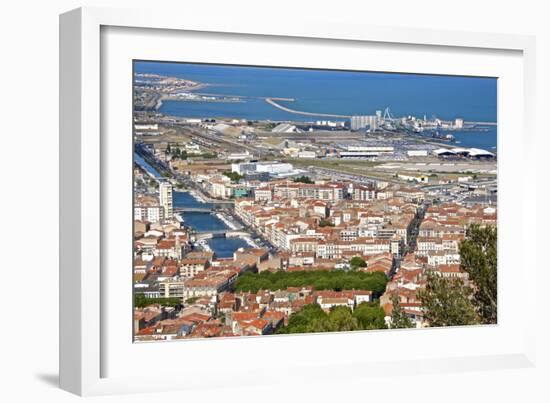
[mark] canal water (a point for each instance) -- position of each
(145, 165)
(223, 247)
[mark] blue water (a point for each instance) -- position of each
(336, 92)
(185, 199)
(224, 247)
(197, 221)
(486, 140)
(203, 222)
(145, 165)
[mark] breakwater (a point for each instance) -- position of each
(272, 102)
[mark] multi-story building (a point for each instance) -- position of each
(362, 122)
(209, 285)
(191, 267)
(361, 192)
(165, 197)
(148, 208)
(263, 194)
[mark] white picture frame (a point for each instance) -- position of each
(83, 188)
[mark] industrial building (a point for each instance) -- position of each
(243, 167)
(417, 153)
(246, 155)
(273, 169)
(364, 151)
(475, 153)
(363, 122)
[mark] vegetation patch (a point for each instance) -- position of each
(336, 280)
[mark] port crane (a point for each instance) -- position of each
(387, 115)
(388, 119)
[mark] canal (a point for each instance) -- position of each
(223, 247)
(138, 159)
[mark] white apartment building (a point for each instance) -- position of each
(220, 189)
(363, 192)
(443, 258)
(263, 194)
(165, 197)
(152, 214)
(148, 208)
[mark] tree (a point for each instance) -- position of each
(356, 262)
(325, 223)
(311, 318)
(234, 176)
(208, 155)
(399, 320)
(303, 179)
(340, 319)
(370, 316)
(447, 302)
(478, 257)
(141, 301)
(318, 279)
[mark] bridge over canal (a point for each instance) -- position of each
(222, 233)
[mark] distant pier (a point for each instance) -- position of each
(272, 102)
(481, 123)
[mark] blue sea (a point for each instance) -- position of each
(335, 92)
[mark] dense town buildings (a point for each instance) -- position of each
(367, 199)
(321, 225)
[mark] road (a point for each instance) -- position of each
(349, 176)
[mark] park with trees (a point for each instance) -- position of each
(336, 280)
(140, 301)
(313, 319)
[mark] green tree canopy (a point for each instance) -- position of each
(447, 302)
(141, 301)
(341, 319)
(478, 257)
(318, 279)
(357, 261)
(312, 319)
(303, 179)
(234, 176)
(370, 316)
(325, 223)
